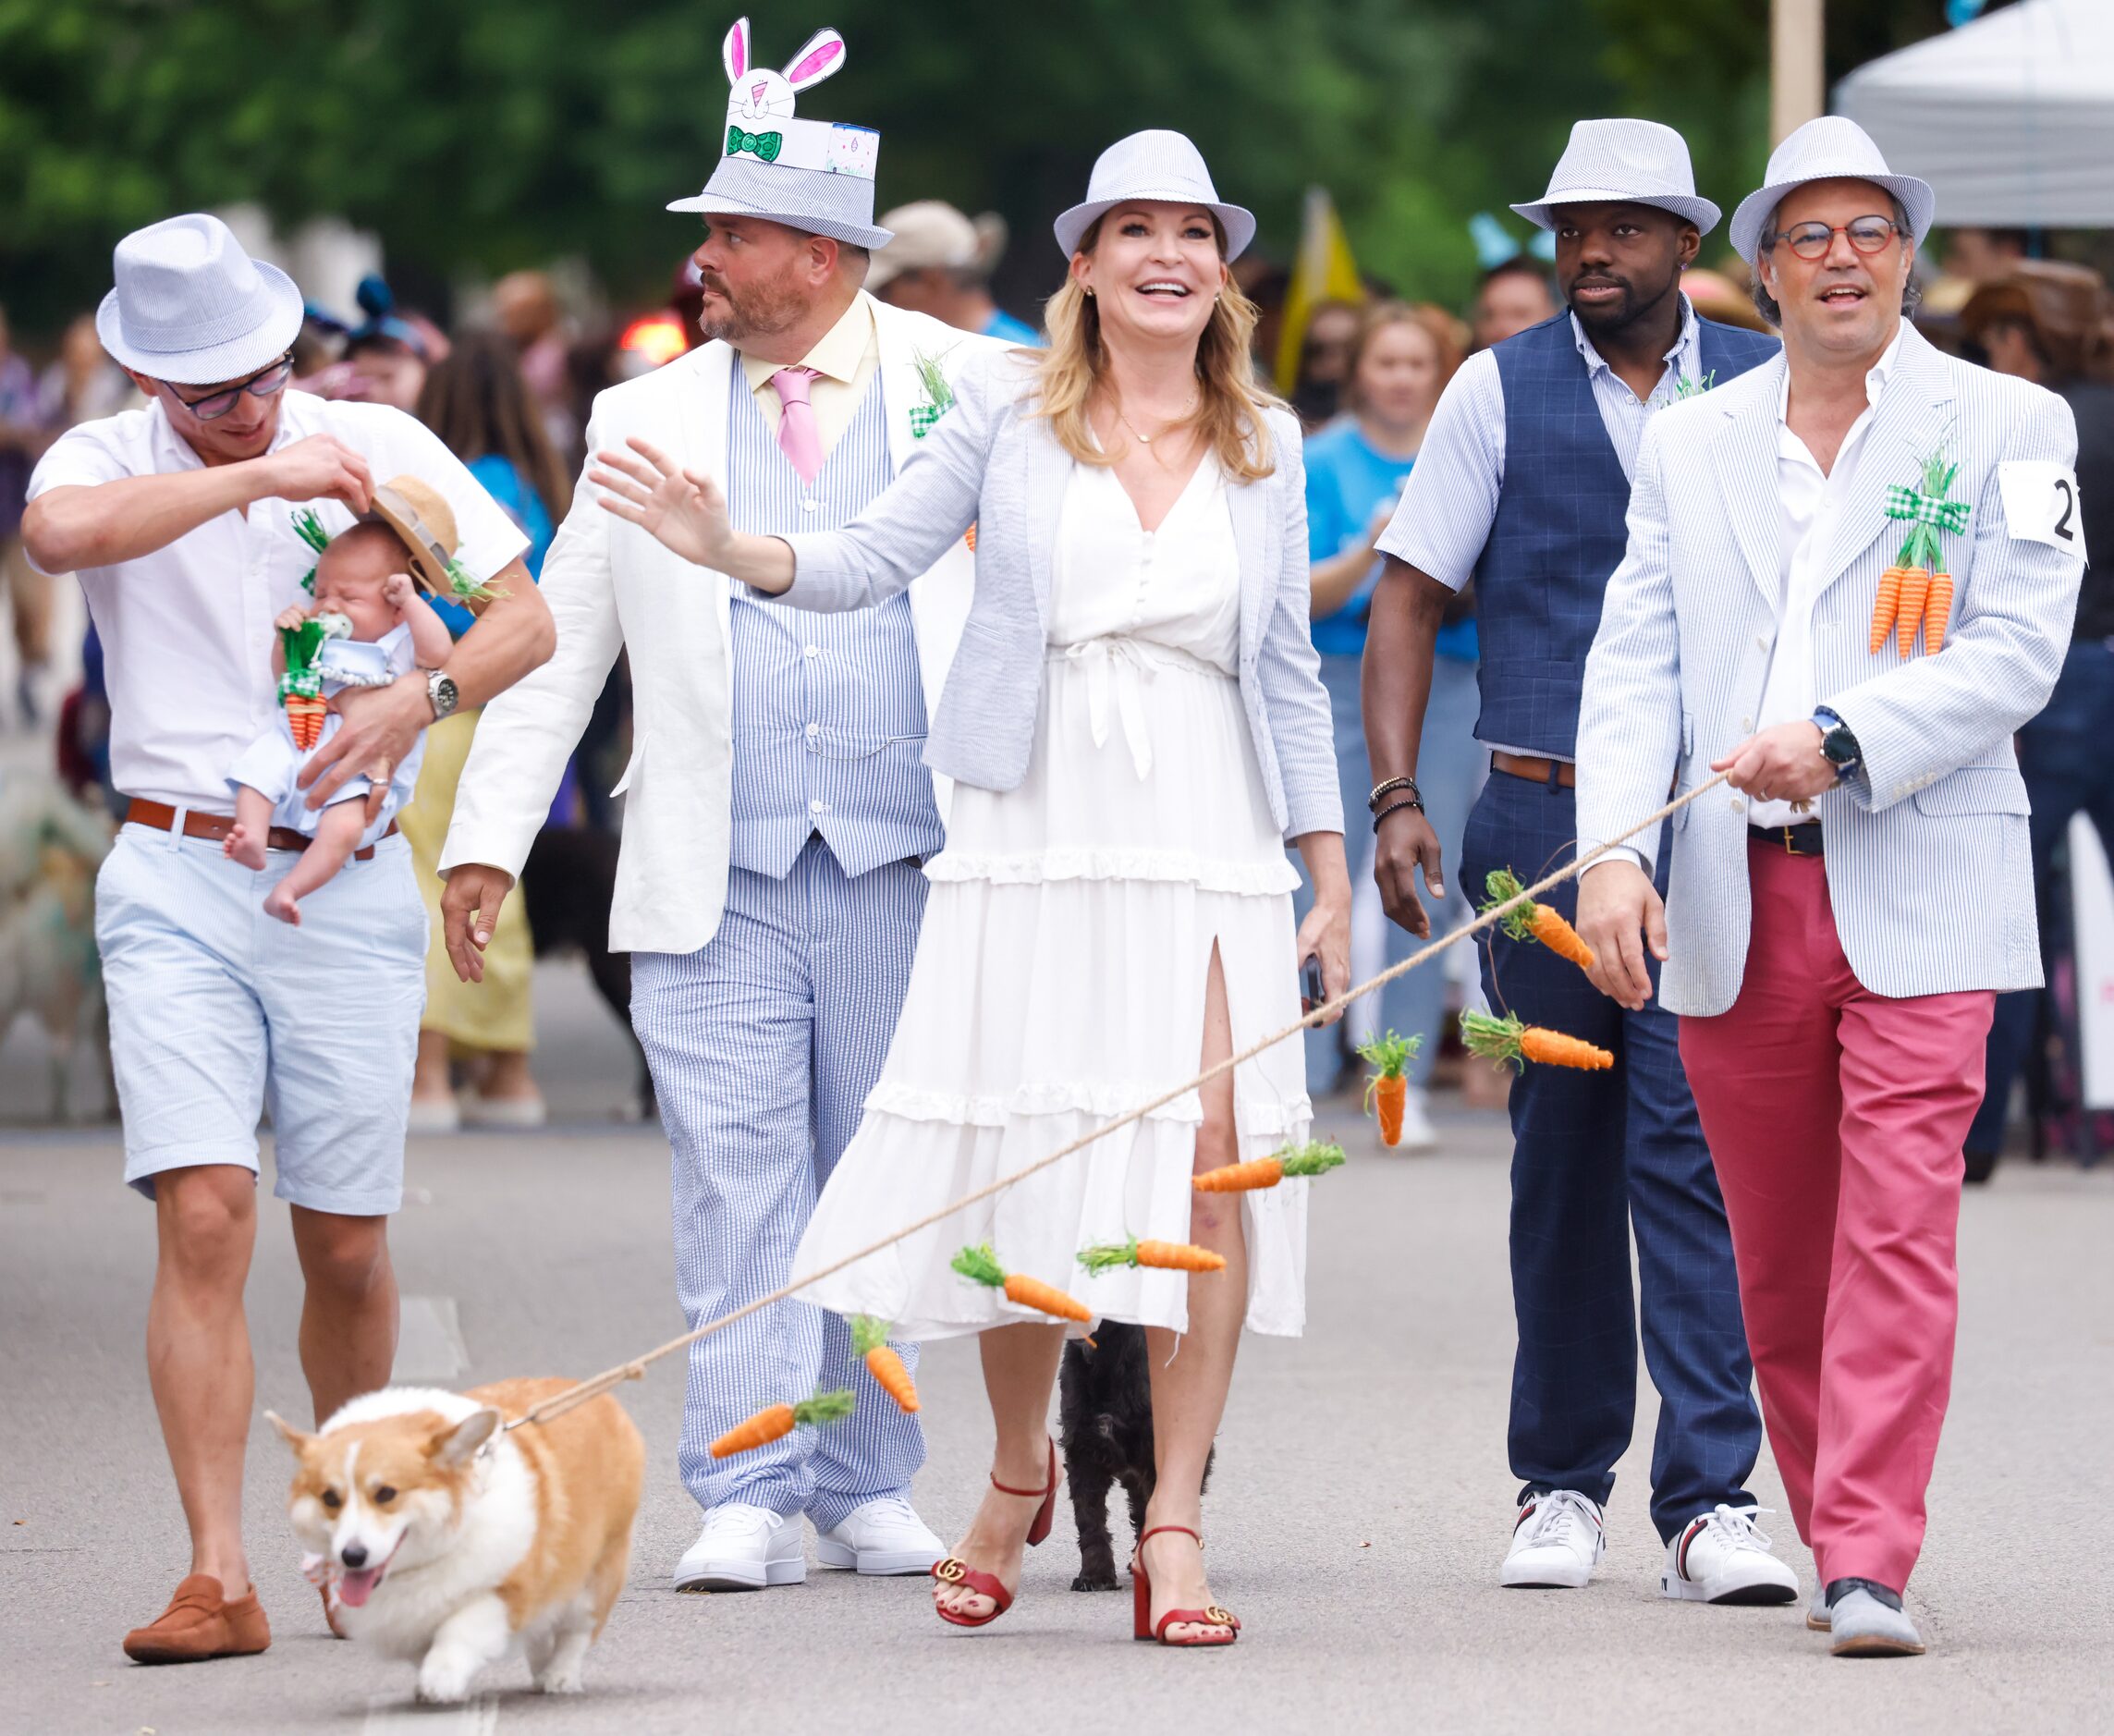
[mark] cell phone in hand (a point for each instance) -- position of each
(1311, 993)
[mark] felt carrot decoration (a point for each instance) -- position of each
(305, 713)
(1938, 613)
(1168, 1256)
(1313, 1158)
(971, 538)
(309, 528)
(1886, 607)
(1915, 592)
(1389, 1086)
(1508, 1039)
(870, 1343)
(980, 1265)
(1928, 511)
(1535, 921)
(776, 1420)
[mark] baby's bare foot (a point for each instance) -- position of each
(282, 903)
(244, 846)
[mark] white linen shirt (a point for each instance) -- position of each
(187, 630)
(1812, 501)
(1450, 500)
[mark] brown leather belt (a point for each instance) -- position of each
(215, 826)
(1559, 772)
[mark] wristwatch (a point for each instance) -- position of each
(1838, 746)
(440, 690)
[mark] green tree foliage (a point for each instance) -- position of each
(486, 137)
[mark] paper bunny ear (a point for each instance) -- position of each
(821, 55)
(734, 51)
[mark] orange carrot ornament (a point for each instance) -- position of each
(980, 1265)
(1508, 1039)
(774, 1421)
(1168, 1256)
(1912, 583)
(1388, 1088)
(1535, 922)
(869, 1344)
(1315, 1158)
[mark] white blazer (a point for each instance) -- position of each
(1929, 870)
(611, 585)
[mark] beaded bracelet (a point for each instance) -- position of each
(1388, 788)
(1415, 801)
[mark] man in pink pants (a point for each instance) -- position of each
(1850, 577)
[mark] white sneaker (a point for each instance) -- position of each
(743, 1548)
(1722, 1557)
(883, 1535)
(1556, 1541)
(1418, 1134)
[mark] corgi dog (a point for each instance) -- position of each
(455, 1543)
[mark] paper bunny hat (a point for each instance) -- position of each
(812, 175)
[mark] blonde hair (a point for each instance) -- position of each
(1448, 342)
(1230, 407)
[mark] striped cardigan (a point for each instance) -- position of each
(1928, 865)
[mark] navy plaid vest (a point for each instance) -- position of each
(1559, 533)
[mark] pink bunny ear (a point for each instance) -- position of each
(735, 51)
(821, 55)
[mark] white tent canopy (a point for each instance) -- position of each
(2011, 118)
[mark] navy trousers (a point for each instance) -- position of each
(1592, 1154)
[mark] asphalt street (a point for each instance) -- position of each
(1356, 1519)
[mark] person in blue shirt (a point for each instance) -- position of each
(1400, 359)
(477, 402)
(940, 262)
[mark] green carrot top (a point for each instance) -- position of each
(1390, 1054)
(1317, 1157)
(826, 1407)
(980, 1264)
(867, 1334)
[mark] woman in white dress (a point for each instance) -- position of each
(1135, 724)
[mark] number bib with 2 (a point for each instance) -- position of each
(2040, 504)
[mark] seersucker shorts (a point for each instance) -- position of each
(218, 1010)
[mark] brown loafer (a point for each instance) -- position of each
(201, 1622)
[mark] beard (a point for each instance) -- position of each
(758, 310)
(1625, 310)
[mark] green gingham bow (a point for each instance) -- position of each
(765, 145)
(1907, 502)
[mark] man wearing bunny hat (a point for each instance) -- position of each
(777, 808)
(1522, 486)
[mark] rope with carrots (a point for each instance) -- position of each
(596, 1384)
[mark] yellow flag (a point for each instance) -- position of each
(1324, 272)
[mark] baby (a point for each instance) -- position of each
(376, 627)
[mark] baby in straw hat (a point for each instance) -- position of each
(369, 625)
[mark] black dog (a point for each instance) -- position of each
(1104, 1420)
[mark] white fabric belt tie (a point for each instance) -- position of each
(1116, 670)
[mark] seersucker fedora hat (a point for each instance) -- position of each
(1623, 162)
(191, 307)
(1153, 165)
(1833, 147)
(815, 175)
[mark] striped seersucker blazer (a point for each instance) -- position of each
(1928, 866)
(990, 461)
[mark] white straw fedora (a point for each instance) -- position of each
(1623, 162)
(1833, 147)
(1159, 165)
(192, 308)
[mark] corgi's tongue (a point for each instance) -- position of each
(357, 1586)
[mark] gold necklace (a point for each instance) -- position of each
(1146, 440)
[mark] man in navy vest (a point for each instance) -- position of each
(1523, 485)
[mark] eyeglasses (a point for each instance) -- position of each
(268, 384)
(1812, 240)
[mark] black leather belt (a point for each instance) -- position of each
(1793, 840)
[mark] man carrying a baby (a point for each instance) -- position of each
(180, 520)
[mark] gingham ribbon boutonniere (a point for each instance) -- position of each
(939, 394)
(1915, 594)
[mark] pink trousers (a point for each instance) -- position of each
(1836, 1116)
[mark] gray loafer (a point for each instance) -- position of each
(1817, 1615)
(1861, 1625)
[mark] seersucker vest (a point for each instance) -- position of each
(829, 710)
(1560, 531)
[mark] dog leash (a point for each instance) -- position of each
(558, 1405)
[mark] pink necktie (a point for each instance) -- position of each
(796, 436)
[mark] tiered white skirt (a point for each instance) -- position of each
(1061, 980)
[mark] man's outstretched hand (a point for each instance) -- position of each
(1619, 913)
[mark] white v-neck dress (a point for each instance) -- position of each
(1061, 972)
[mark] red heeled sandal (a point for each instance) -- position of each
(956, 1571)
(1145, 1628)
